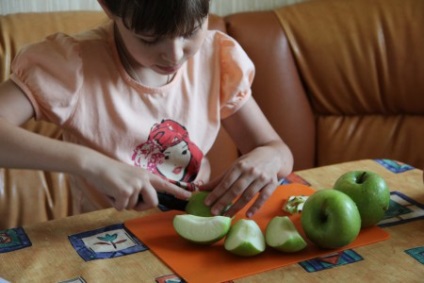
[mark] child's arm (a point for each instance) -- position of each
(265, 160)
(19, 148)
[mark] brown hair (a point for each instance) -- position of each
(160, 17)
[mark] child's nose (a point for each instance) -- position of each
(174, 51)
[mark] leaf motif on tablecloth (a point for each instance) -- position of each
(108, 237)
(110, 240)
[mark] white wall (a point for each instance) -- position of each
(18, 6)
(220, 7)
(224, 7)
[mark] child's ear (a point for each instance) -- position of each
(106, 9)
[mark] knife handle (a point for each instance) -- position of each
(169, 202)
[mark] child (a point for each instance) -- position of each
(140, 101)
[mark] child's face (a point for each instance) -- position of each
(164, 55)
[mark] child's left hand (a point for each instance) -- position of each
(253, 173)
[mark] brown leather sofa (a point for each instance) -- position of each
(339, 80)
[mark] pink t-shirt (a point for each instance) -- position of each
(79, 83)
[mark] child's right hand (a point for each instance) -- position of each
(130, 187)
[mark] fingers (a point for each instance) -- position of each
(120, 203)
(147, 199)
(134, 200)
(210, 185)
(125, 201)
(164, 186)
(240, 190)
(142, 195)
(218, 188)
(263, 196)
(232, 187)
(250, 192)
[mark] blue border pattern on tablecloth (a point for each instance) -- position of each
(417, 253)
(75, 280)
(294, 178)
(402, 209)
(13, 239)
(112, 241)
(331, 261)
(394, 166)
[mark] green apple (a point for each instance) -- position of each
(196, 204)
(370, 193)
(201, 230)
(245, 238)
(281, 234)
(330, 219)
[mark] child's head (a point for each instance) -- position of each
(160, 17)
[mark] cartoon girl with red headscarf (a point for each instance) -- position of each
(170, 153)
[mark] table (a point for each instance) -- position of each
(52, 258)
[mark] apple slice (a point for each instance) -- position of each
(201, 230)
(281, 234)
(245, 238)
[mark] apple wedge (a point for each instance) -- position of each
(245, 238)
(201, 230)
(282, 235)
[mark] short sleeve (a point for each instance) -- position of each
(237, 73)
(50, 74)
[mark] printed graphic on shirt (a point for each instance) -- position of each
(169, 152)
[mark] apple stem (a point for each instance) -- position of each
(362, 177)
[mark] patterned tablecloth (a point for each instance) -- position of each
(96, 247)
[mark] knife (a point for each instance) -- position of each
(168, 202)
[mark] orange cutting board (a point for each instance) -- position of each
(196, 263)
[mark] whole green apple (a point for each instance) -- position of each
(330, 219)
(370, 193)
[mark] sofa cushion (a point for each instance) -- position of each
(277, 86)
(361, 65)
